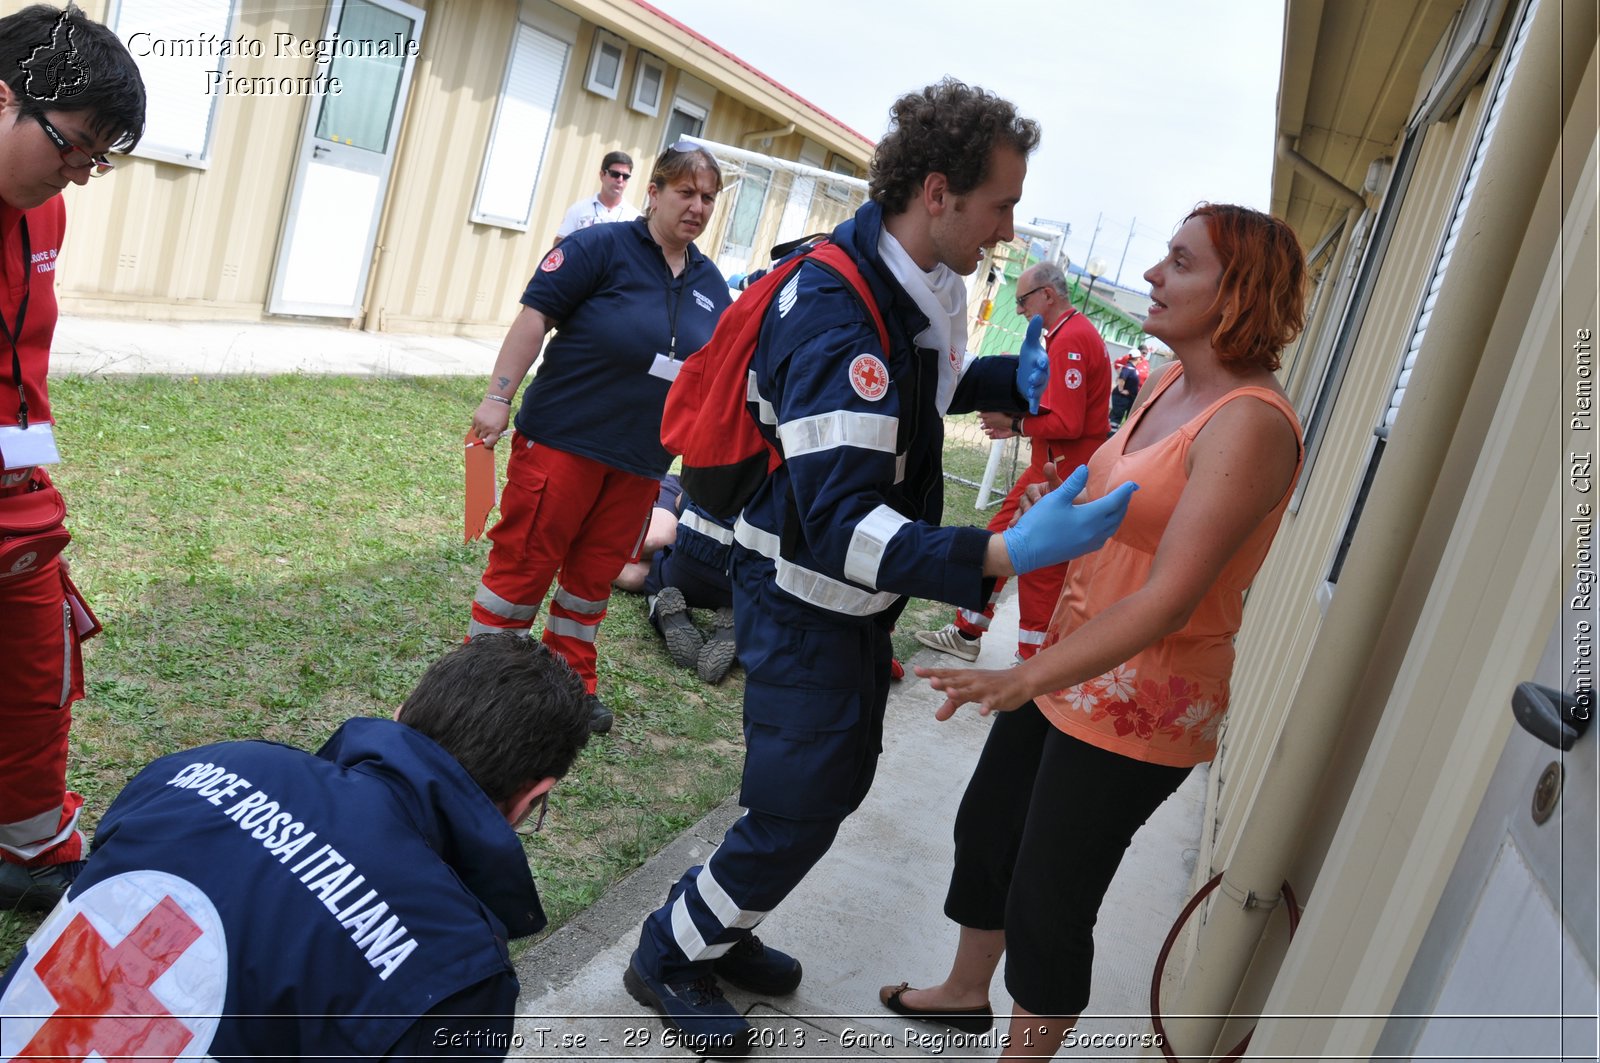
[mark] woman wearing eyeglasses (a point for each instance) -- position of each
(1100, 727)
(69, 93)
(628, 302)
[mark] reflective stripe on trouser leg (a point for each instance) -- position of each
(1037, 594)
(571, 630)
(44, 675)
(609, 532)
(975, 625)
(811, 749)
(761, 860)
(539, 510)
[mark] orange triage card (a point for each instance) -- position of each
(481, 495)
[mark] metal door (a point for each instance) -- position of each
(345, 158)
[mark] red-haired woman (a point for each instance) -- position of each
(1101, 726)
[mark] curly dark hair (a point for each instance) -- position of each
(950, 128)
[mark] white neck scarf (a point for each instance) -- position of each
(941, 294)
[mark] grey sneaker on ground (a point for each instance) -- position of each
(719, 652)
(671, 614)
(948, 640)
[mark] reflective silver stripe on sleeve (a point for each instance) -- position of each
(572, 629)
(900, 468)
(573, 604)
(842, 428)
(868, 542)
(695, 522)
(810, 587)
(1030, 638)
(753, 393)
(500, 607)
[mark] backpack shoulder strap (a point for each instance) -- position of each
(833, 258)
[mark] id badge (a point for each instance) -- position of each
(666, 368)
(34, 445)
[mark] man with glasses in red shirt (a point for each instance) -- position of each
(1069, 427)
(69, 94)
(606, 204)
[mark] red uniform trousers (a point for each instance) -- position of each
(1037, 591)
(43, 669)
(567, 515)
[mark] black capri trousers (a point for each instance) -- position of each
(1041, 829)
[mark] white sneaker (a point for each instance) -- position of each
(948, 640)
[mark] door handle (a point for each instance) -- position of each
(318, 151)
(1553, 716)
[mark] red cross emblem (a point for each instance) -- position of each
(1074, 378)
(157, 993)
(103, 992)
(868, 377)
(553, 260)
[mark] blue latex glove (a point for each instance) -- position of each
(1054, 530)
(1033, 365)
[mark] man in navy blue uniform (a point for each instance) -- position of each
(829, 547)
(249, 899)
(685, 567)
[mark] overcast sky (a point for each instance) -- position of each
(1147, 106)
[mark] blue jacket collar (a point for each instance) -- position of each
(450, 810)
(859, 235)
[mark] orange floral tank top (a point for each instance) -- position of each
(1164, 705)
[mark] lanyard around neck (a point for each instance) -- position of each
(14, 333)
(675, 286)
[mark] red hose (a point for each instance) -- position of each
(1166, 951)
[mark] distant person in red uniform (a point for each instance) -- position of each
(1070, 426)
(69, 93)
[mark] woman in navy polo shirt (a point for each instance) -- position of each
(628, 302)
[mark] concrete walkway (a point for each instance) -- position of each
(869, 913)
(89, 346)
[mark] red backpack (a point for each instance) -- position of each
(726, 459)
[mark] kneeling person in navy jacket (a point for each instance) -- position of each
(252, 899)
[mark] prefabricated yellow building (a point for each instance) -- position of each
(1438, 160)
(419, 195)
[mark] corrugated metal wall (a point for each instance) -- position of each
(171, 233)
(164, 240)
(1283, 617)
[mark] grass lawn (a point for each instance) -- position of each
(273, 556)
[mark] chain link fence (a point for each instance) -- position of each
(967, 459)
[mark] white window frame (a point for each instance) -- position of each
(688, 107)
(694, 98)
(839, 164)
(646, 61)
(591, 79)
(563, 31)
(172, 83)
(1461, 201)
